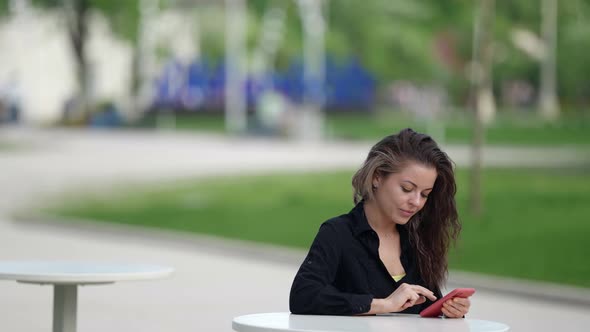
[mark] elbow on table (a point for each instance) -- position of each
(300, 304)
(297, 307)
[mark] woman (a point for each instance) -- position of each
(389, 253)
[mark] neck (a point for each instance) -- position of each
(377, 219)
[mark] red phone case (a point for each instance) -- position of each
(434, 310)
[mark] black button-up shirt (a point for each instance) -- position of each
(343, 272)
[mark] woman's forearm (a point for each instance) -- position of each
(378, 306)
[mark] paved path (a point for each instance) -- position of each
(215, 279)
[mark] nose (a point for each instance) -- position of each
(415, 200)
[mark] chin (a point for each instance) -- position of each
(401, 221)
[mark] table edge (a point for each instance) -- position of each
(67, 278)
(239, 327)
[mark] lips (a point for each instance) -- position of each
(407, 213)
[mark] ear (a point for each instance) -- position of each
(376, 181)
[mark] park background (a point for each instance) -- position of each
(503, 85)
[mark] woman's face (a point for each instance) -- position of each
(401, 195)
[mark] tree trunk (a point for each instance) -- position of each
(77, 19)
(485, 105)
(144, 60)
(312, 118)
(548, 104)
(236, 117)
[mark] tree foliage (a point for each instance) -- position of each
(419, 40)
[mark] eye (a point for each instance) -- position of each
(425, 196)
(406, 190)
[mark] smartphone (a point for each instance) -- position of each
(434, 310)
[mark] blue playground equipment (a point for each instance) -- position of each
(200, 86)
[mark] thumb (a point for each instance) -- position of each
(407, 305)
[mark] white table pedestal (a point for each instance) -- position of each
(65, 301)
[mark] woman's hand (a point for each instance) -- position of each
(405, 296)
(456, 307)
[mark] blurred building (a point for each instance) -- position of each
(37, 62)
(37, 66)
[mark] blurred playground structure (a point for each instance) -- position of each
(281, 65)
(39, 75)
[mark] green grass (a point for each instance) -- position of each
(197, 122)
(509, 129)
(534, 225)
(506, 130)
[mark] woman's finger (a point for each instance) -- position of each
(409, 303)
(447, 313)
(454, 311)
(406, 305)
(414, 297)
(462, 305)
(455, 305)
(462, 302)
(424, 291)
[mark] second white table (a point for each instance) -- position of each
(284, 321)
(67, 276)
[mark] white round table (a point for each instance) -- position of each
(284, 321)
(67, 276)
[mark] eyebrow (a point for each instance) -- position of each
(415, 184)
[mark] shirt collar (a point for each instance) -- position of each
(359, 220)
(361, 225)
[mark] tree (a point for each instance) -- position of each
(548, 104)
(485, 106)
(76, 12)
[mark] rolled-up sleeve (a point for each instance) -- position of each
(313, 290)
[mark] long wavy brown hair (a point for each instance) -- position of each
(434, 228)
